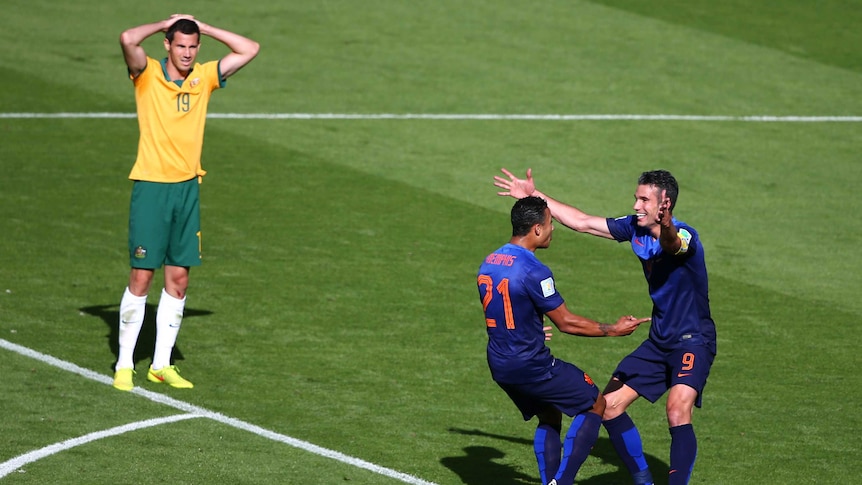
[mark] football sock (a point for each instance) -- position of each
(580, 438)
(547, 446)
(169, 317)
(132, 310)
(627, 441)
(683, 451)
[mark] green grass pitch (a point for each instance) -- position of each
(337, 305)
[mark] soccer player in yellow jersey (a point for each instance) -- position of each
(164, 215)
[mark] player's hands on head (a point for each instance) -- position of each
(515, 187)
(628, 324)
(178, 16)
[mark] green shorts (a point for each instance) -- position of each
(165, 224)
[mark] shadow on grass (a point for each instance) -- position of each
(478, 465)
(110, 315)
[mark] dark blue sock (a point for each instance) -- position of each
(547, 446)
(580, 438)
(627, 441)
(683, 451)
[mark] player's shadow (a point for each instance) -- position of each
(477, 466)
(110, 315)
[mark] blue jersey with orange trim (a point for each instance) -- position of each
(516, 290)
(678, 285)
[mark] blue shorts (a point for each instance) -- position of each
(569, 389)
(651, 371)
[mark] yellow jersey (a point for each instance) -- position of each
(171, 119)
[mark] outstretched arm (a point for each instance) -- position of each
(243, 49)
(573, 324)
(568, 215)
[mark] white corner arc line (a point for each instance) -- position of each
(197, 411)
(466, 116)
(19, 461)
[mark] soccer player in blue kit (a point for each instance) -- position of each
(677, 356)
(516, 291)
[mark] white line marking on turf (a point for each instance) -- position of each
(196, 411)
(19, 461)
(503, 117)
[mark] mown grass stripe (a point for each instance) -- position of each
(473, 117)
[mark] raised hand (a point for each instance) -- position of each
(515, 187)
(166, 24)
(664, 215)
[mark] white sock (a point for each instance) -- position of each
(169, 317)
(132, 310)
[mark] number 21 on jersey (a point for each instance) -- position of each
(502, 290)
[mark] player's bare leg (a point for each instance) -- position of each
(683, 442)
(622, 431)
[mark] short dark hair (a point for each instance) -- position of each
(662, 180)
(526, 213)
(183, 26)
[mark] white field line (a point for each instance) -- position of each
(19, 461)
(492, 117)
(197, 411)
